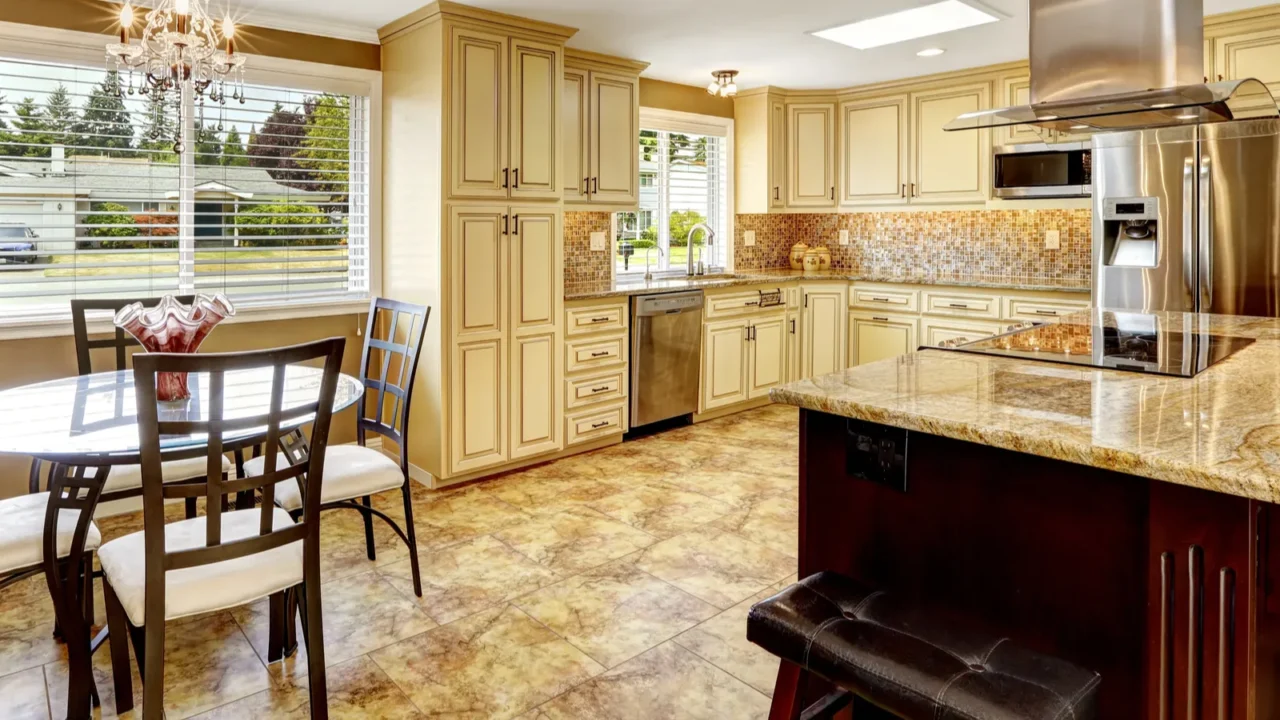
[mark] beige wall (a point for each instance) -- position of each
(99, 16)
(38, 359)
(685, 98)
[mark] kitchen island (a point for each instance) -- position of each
(1122, 521)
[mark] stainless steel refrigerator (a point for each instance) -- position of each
(1188, 218)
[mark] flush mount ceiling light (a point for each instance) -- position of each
(908, 25)
(931, 52)
(725, 84)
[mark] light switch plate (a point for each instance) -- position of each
(844, 237)
(1051, 240)
(597, 241)
(749, 238)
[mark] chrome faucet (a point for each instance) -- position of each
(648, 274)
(711, 237)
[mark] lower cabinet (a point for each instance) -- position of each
(823, 335)
(875, 337)
(535, 393)
(596, 370)
(767, 355)
(936, 331)
(742, 359)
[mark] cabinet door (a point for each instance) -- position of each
(536, 78)
(724, 363)
(477, 414)
(777, 154)
(537, 282)
(615, 139)
(873, 151)
(1249, 55)
(881, 336)
(811, 142)
(935, 331)
(535, 395)
(478, 118)
(1016, 90)
(768, 355)
(949, 166)
(824, 331)
(794, 369)
(478, 257)
(575, 120)
(537, 299)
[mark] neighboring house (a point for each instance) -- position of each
(52, 194)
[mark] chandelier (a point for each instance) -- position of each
(725, 83)
(178, 52)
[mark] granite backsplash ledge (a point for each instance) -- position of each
(993, 243)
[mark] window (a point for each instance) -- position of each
(683, 182)
(268, 203)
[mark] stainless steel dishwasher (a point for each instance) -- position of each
(666, 344)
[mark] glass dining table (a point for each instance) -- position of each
(82, 426)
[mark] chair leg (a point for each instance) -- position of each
(191, 507)
(314, 629)
(86, 577)
(413, 538)
(118, 627)
(153, 674)
(275, 633)
(290, 636)
(368, 528)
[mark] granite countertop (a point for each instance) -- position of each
(629, 286)
(1219, 430)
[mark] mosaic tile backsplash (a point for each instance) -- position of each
(581, 263)
(995, 243)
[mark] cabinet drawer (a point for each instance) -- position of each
(738, 303)
(937, 331)
(888, 299)
(595, 353)
(594, 389)
(596, 423)
(597, 318)
(1032, 309)
(962, 304)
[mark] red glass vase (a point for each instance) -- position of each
(172, 327)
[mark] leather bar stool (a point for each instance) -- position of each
(901, 658)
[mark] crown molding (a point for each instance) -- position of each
(293, 23)
(447, 9)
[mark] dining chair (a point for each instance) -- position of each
(354, 473)
(122, 481)
(225, 558)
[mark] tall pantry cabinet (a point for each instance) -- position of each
(473, 227)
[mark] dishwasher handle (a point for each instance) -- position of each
(668, 304)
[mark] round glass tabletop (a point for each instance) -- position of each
(94, 417)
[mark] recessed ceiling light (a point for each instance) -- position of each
(931, 52)
(908, 24)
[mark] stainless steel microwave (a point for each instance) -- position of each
(1041, 170)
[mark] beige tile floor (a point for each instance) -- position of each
(614, 584)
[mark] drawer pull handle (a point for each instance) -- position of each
(1047, 312)
(749, 303)
(598, 425)
(602, 353)
(880, 299)
(601, 319)
(881, 319)
(960, 306)
(600, 389)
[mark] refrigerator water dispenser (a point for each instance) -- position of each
(1131, 231)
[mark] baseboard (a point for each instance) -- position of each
(733, 409)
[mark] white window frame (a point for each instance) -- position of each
(40, 44)
(694, 124)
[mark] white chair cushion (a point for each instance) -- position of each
(205, 588)
(350, 471)
(22, 531)
(127, 477)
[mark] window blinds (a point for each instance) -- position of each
(266, 202)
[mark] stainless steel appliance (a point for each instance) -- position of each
(1040, 170)
(1177, 344)
(1188, 219)
(666, 343)
(1122, 64)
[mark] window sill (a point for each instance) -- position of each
(58, 325)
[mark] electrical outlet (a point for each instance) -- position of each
(597, 241)
(1051, 240)
(749, 238)
(844, 237)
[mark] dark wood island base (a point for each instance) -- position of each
(1168, 591)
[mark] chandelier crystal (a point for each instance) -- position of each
(178, 51)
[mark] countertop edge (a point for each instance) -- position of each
(764, 279)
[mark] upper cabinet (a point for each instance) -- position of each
(949, 166)
(505, 128)
(873, 151)
(760, 152)
(600, 125)
(1248, 55)
(811, 156)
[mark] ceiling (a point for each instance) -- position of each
(685, 40)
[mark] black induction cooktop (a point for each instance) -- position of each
(1122, 341)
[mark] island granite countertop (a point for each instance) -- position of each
(1218, 431)
(627, 286)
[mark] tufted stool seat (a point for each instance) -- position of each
(909, 662)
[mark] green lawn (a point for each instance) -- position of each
(128, 264)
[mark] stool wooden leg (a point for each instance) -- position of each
(787, 693)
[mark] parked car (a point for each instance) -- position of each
(16, 239)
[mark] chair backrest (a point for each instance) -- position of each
(390, 416)
(215, 425)
(119, 341)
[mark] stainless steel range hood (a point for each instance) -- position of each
(1122, 65)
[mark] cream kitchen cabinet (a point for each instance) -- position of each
(742, 358)
(875, 337)
(767, 354)
(1249, 55)
(777, 170)
(597, 378)
(1015, 90)
(936, 331)
(601, 127)
(948, 167)
(823, 335)
(795, 320)
(811, 155)
(504, 120)
(760, 152)
(873, 151)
